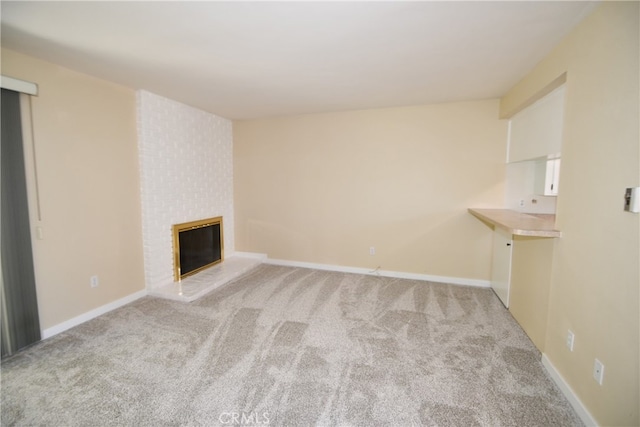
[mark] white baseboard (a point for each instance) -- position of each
(385, 273)
(573, 399)
(253, 255)
(61, 327)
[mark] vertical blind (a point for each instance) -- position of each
(20, 320)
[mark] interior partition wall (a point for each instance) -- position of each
(19, 306)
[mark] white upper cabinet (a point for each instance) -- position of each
(536, 131)
(547, 177)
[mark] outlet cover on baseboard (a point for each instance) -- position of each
(598, 371)
(570, 339)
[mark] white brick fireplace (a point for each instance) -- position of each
(186, 174)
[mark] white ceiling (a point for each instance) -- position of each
(245, 60)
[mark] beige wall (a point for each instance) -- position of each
(87, 169)
(595, 279)
(324, 188)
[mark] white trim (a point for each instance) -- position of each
(18, 85)
(385, 273)
(573, 399)
(508, 140)
(61, 327)
(253, 255)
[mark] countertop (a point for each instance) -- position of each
(518, 223)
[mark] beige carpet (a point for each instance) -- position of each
(291, 346)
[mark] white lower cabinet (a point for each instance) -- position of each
(501, 264)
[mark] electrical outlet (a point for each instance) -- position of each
(93, 280)
(570, 338)
(521, 203)
(372, 250)
(598, 371)
(632, 199)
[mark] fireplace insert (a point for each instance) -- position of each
(196, 246)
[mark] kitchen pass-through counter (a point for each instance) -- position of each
(522, 253)
(518, 223)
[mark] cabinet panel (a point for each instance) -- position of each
(530, 285)
(501, 264)
(537, 130)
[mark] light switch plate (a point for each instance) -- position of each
(632, 199)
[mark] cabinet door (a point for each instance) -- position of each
(501, 264)
(537, 130)
(555, 177)
(547, 177)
